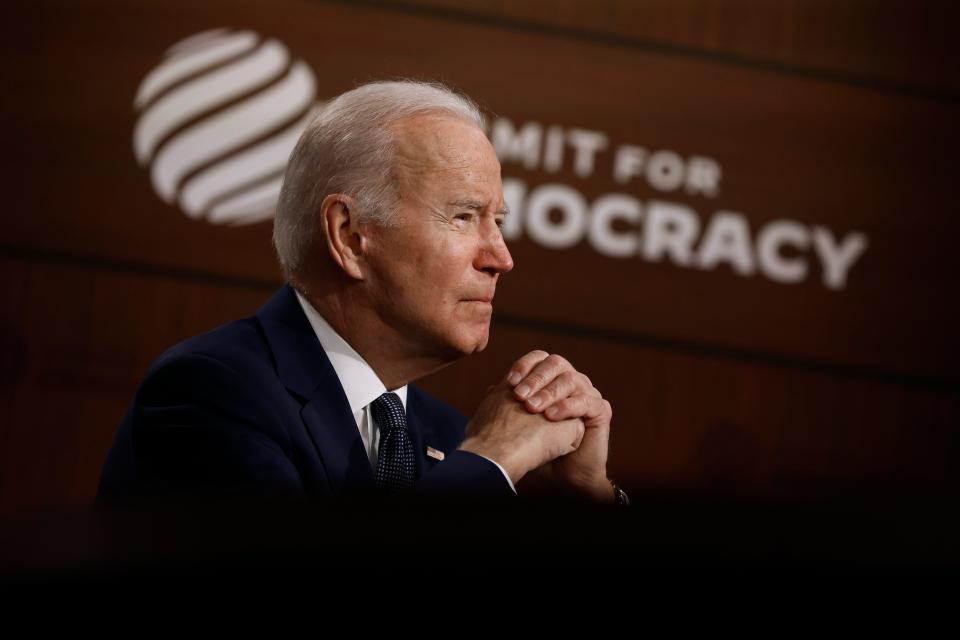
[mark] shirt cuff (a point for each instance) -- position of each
(502, 470)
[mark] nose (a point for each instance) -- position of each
(493, 257)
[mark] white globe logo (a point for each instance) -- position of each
(218, 119)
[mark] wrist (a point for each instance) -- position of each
(496, 454)
(604, 491)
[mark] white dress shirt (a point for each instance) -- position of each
(360, 383)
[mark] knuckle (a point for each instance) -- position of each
(568, 380)
(527, 361)
(572, 405)
(536, 379)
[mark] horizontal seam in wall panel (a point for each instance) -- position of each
(751, 356)
(509, 320)
(657, 47)
(129, 266)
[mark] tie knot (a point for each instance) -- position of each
(388, 411)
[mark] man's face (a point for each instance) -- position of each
(432, 277)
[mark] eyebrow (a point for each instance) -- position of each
(476, 205)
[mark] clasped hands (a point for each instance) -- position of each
(547, 422)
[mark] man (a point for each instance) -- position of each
(388, 232)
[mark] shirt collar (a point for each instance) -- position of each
(360, 383)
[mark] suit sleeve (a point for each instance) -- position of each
(503, 471)
(200, 429)
(464, 473)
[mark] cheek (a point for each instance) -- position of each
(395, 260)
(442, 264)
(428, 270)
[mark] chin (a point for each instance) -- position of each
(464, 340)
(467, 345)
(481, 343)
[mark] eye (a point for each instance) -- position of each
(500, 222)
(466, 217)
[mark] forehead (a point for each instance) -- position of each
(445, 151)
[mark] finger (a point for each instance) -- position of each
(566, 384)
(591, 390)
(570, 434)
(581, 406)
(522, 366)
(586, 386)
(541, 374)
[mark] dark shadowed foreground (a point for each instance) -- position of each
(659, 537)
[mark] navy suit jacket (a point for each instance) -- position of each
(255, 408)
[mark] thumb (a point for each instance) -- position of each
(580, 430)
(569, 434)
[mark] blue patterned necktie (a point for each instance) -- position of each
(395, 459)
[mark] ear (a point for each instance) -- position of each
(343, 234)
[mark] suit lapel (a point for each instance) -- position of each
(306, 372)
(421, 433)
(334, 432)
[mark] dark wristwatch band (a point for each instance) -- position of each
(620, 495)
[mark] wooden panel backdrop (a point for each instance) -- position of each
(837, 116)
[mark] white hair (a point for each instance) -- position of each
(348, 148)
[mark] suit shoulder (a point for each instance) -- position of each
(239, 344)
(232, 361)
(227, 373)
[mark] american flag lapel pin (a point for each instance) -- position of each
(433, 453)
